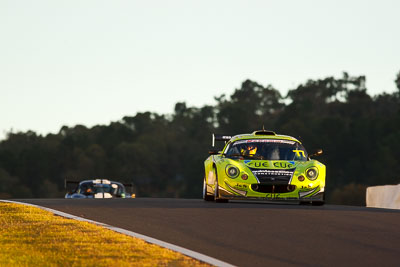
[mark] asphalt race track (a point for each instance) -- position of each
(253, 234)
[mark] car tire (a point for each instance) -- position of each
(206, 196)
(313, 203)
(319, 202)
(216, 191)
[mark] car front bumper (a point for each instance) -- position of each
(313, 194)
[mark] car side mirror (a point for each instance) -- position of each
(319, 152)
(213, 152)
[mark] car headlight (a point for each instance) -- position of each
(232, 171)
(312, 173)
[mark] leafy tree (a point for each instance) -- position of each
(397, 81)
(249, 108)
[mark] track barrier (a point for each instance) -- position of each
(384, 196)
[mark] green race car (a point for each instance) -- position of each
(263, 166)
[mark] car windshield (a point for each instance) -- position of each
(267, 149)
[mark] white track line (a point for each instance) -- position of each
(187, 252)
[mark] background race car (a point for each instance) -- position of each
(263, 166)
(97, 188)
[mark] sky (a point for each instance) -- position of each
(92, 62)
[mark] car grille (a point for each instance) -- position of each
(265, 188)
(273, 176)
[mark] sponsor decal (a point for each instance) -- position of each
(266, 164)
(272, 195)
(240, 186)
(257, 164)
(306, 186)
(283, 165)
(240, 192)
(299, 153)
(273, 172)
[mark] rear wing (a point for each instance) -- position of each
(70, 185)
(129, 185)
(220, 137)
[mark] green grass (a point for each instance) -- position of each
(30, 236)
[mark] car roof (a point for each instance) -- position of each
(263, 135)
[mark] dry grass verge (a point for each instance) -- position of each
(30, 236)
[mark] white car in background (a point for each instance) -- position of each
(97, 188)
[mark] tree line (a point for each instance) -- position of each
(163, 154)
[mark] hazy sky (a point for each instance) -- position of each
(93, 62)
